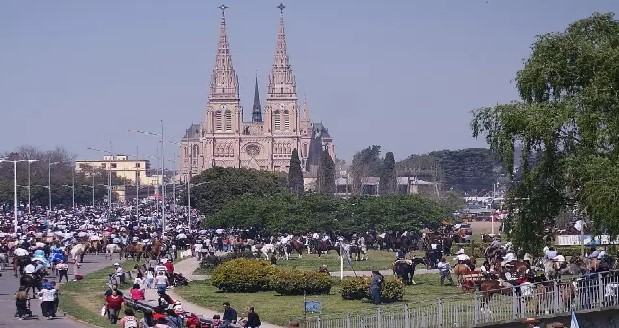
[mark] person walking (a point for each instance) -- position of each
(229, 316)
(444, 270)
(21, 302)
(375, 286)
(48, 296)
(114, 304)
(63, 271)
(253, 319)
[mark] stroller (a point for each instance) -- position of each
(180, 280)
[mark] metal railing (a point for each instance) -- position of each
(550, 299)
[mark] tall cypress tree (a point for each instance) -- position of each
(388, 178)
(326, 174)
(295, 174)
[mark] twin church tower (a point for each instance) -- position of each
(224, 139)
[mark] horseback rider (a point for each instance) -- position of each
(462, 258)
(487, 270)
(508, 258)
(400, 255)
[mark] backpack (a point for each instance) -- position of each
(131, 322)
(193, 321)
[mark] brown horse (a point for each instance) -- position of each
(135, 250)
(156, 248)
(460, 270)
(297, 245)
(490, 287)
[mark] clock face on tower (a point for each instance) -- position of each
(252, 150)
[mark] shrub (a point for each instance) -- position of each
(296, 282)
(210, 262)
(242, 275)
(359, 288)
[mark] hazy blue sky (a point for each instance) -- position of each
(402, 74)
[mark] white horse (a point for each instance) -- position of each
(76, 251)
(110, 249)
(267, 250)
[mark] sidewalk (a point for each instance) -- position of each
(187, 266)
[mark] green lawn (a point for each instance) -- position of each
(277, 309)
(83, 299)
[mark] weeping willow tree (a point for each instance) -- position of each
(568, 119)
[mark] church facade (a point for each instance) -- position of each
(266, 142)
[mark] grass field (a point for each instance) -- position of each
(83, 299)
(277, 309)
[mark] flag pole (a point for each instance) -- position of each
(341, 262)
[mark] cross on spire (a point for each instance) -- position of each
(223, 9)
(281, 8)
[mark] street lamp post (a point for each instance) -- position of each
(109, 176)
(15, 222)
(30, 161)
(162, 140)
(49, 184)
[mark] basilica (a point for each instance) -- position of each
(276, 128)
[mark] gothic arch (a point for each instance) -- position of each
(228, 121)
(276, 121)
(286, 120)
(218, 121)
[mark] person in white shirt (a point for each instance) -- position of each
(120, 273)
(30, 268)
(462, 258)
(63, 271)
(48, 296)
(20, 252)
(509, 257)
(197, 251)
(445, 271)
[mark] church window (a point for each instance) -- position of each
(304, 150)
(276, 121)
(196, 151)
(286, 120)
(218, 121)
(228, 123)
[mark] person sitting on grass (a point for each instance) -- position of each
(323, 269)
(129, 320)
(137, 294)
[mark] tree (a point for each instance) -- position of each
(326, 174)
(388, 177)
(217, 186)
(365, 163)
(295, 174)
(568, 117)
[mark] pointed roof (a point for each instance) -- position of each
(282, 83)
(256, 114)
(224, 81)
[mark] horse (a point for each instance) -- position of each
(110, 249)
(297, 245)
(95, 247)
(490, 287)
(156, 248)
(135, 250)
(267, 250)
(31, 282)
(19, 263)
(359, 251)
(405, 269)
(460, 270)
(324, 246)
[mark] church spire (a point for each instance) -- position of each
(256, 114)
(224, 82)
(282, 83)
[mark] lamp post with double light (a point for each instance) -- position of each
(109, 176)
(162, 141)
(15, 222)
(30, 161)
(49, 184)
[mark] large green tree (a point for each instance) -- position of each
(295, 174)
(388, 177)
(215, 187)
(326, 174)
(316, 212)
(568, 117)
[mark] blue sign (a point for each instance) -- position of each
(312, 306)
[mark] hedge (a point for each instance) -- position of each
(247, 275)
(297, 282)
(210, 262)
(357, 288)
(242, 275)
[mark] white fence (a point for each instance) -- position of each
(553, 299)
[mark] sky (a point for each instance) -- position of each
(403, 74)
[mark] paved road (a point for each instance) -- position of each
(9, 285)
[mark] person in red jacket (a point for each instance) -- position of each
(170, 272)
(114, 304)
